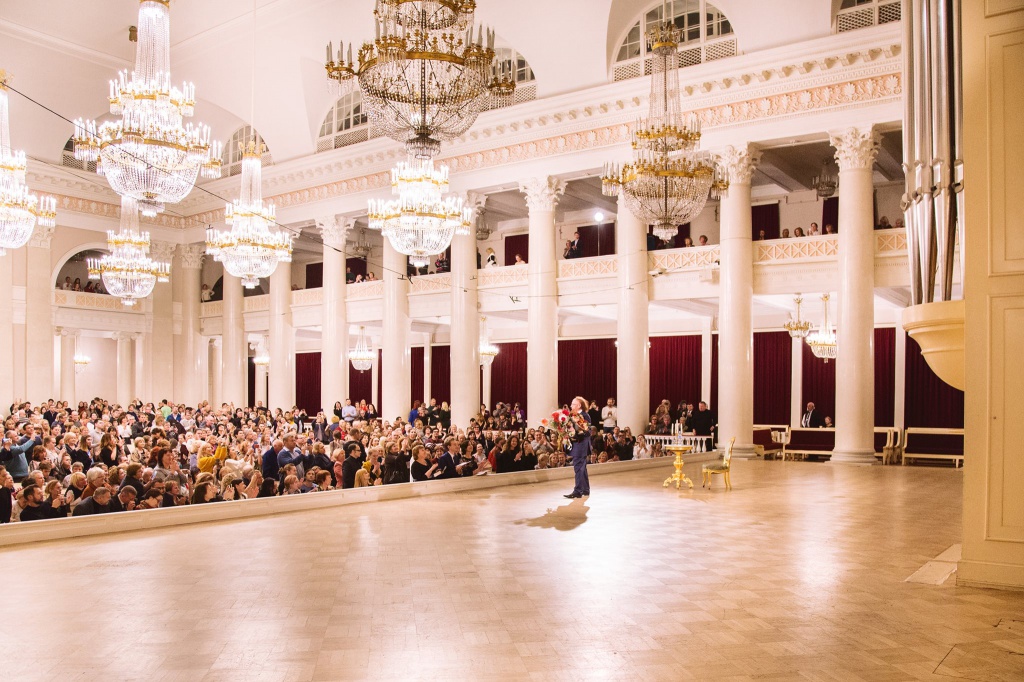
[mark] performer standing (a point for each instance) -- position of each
(579, 427)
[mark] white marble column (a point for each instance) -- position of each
(334, 336)
(68, 350)
(542, 196)
(141, 367)
(856, 149)
(396, 372)
(707, 341)
(125, 368)
(796, 383)
(216, 352)
(465, 331)
(233, 349)
(39, 338)
(633, 374)
(261, 374)
(281, 383)
(161, 341)
(735, 316)
(190, 380)
(6, 334)
(485, 397)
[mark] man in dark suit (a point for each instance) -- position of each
(124, 500)
(270, 467)
(812, 419)
(351, 465)
(99, 503)
(581, 447)
(574, 246)
(446, 463)
(702, 422)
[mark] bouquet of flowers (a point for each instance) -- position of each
(561, 422)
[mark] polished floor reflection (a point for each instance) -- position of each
(798, 573)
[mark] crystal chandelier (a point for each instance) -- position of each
(826, 183)
(488, 351)
(668, 181)
(250, 249)
(127, 271)
(262, 356)
(797, 328)
(362, 247)
(81, 362)
(420, 223)
(20, 210)
(362, 356)
(425, 77)
(149, 153)
(823, 341)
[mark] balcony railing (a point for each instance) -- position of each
(510, 275)
(598, 266)
(81, 299)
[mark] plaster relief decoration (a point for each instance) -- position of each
(891, 241)
(494, 277)
(308, 296)
(422, 284)
(365, 290)
(588, 267)
(693, 258)
(254, 304)
(805, 248)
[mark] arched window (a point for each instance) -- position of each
(513, 62)
(854, 14)
(344, 124)
(68, 160)
(231, 160)
(706, 35)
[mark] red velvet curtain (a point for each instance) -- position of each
(517, 243)
(830, 214)
(416, 370)
(675, 370)
(314, 275)
(307, 383)
(508, 374)
(930, 402)
(360, 386)
(597, 240)
(441, 373)
(586, 367)
(251, 392)
(714, 374)
(764, 217)
(819, 384)
(380, 384)
(773, 373)
(885, 376)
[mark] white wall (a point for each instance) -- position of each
(99, 378)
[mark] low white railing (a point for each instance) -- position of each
(698, 443)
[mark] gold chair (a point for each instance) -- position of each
(721, 467)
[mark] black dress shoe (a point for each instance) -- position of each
(572, 496)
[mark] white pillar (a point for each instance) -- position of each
(261, 375)
(633, 374)
(485, 398)
(161, 341)
(190, 379)
(796, 383)
(6, 334)
(334, 335)
(281, 383)
(141, 367)
(215, 350)
(707, 341)
(735, 319)
(856, 149)
(125, 368)
(542, 196)
(39, 337)
(68, 350)
(465, 331)
(428, 363)
(396, 373)
(233, 350)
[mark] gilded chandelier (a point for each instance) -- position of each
(20, 210)
(149, 153)
(250, 249)
(827, 183)
(420, 222)
(425, 77)
(823, 341)
(362, 356)
(127, 271)
(488, 351)
(668, 182)
(797, 328)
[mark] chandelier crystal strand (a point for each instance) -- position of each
(20, 210)
(426, 75)
(668, 182)
(797, 327)
(823, 341)
(420, 222)
(827, 183)
(250, 250)
(488, 351)
(127, 271)
(150, 153)
(362, 356)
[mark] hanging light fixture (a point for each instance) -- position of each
(668, 181)
(826, 183)
(362, 356)
(362, 246)
(797, 328)
(81, 362)
(425, 77)
(262, 356)
(420, 222)
(149, 153)
(823, 341)
(127, 271)
(488, 351)
(20, 210)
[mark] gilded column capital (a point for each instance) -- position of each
(856, 148)
(41, 236)
(739, 162)
(542, 194)
(191, 255)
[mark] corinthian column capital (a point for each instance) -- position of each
(739, 162)
(542, 194)
(41, 236)
(856, 148)
(161, 251)
(191, 256)
(334, 230)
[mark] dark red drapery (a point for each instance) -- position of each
(307, 383)
(360, 386)
(714, 373)
(586, 367)
(930, 401)
(508, 374)
(885, 375)
(441, 373)
(764, 217)
(830, 214)
(819, 384)
(251, 375)
(416, 372)
(314, 275)
(517, 243)
(597, 240)
(773, 374)
(380, 382)
(675, 370)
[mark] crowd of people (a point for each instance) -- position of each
(59, 460)
(90, 287)
(684, 418)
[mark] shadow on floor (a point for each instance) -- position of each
(566, 517)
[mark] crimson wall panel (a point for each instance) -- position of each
(307, 383)
(773, 377)
(586, 367)
(885, 376)
(675, 370)
(441, 373)
(819, 384)
(508, 374)
(930, 401)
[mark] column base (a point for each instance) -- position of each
(739, 450)
(854, 457)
